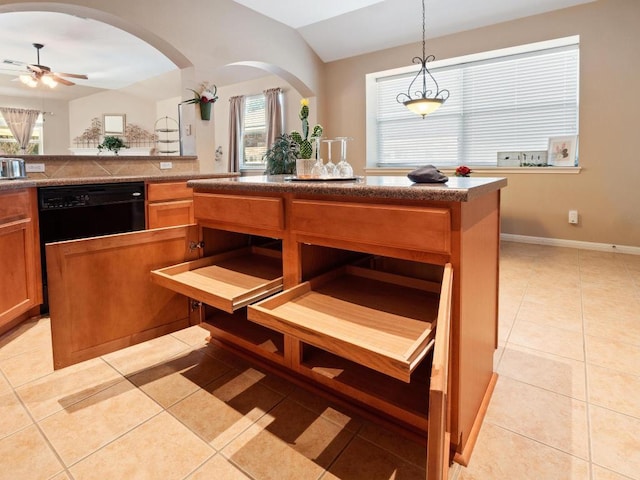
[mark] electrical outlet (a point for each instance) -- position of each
(166, 165)
(34, 167)
(573, 217)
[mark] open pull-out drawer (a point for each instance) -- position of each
(227, 281)
(380, 320)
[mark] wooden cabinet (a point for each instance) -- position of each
(20, 282)
(390, 305)
(100, 295)
(169, 204)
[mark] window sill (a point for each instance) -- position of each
(485, 170)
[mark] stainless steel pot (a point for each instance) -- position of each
(11, 168)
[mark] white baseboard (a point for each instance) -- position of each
(559, 242)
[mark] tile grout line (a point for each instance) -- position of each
(335, 459)
(586, 374)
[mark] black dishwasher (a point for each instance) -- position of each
(78, 211)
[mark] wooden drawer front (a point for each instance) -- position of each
(159, 192)
(14, 204)
(414, 228)
(259, 212)
(169, 214)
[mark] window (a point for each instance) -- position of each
(254, 138)
(508, 100)
(9, 145)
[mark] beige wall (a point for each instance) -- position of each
(605, 192)
(139, 111)
(56, 121)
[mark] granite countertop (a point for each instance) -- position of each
(457, 189)
(6, 184)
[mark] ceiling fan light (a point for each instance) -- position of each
(424, 106)
(49, 81)
(28, 80)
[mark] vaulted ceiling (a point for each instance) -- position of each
(334, 29)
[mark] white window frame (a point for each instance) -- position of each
(253, 165)
(371, 79)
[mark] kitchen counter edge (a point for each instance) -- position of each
(17, 184)
(457, 189)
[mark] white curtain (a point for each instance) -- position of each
(273, 114)
(20, 122)
(236, 122)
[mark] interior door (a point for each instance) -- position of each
(101, 298)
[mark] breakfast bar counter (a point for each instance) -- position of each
(456, 189)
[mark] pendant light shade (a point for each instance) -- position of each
(429, 99)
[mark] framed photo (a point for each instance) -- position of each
(113, 123)
(562, 151)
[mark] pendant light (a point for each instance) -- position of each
(427, 100)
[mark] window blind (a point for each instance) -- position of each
(255, 131)
(508, 103)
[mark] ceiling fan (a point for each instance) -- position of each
(37, 73)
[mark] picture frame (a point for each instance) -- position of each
(562, 151)
(114, 123)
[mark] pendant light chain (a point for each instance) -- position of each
(424, 29)
(427, 100)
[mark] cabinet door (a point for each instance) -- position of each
(19, 282)
(169, 214)
(439, 430)
(101, 297)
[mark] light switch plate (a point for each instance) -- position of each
(166, 165)
(34, 167)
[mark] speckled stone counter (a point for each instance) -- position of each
(457, 189)
(48, 182)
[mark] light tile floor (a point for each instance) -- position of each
(566, 406)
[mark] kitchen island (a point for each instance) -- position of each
(380, 292)
(410, 226)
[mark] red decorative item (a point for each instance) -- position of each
(463, 171)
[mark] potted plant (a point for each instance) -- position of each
(111, 143)
(281, 156)
(303, 140)
(205, 98)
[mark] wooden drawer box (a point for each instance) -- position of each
(227, 281)
(260, 213)
(380, 320)
(413, 228)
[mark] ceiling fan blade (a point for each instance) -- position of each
(61, 80)
(35, 68)
(13, 62)
(71, 75)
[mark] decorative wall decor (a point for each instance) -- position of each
(562, 151)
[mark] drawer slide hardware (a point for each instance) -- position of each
(194, 245)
